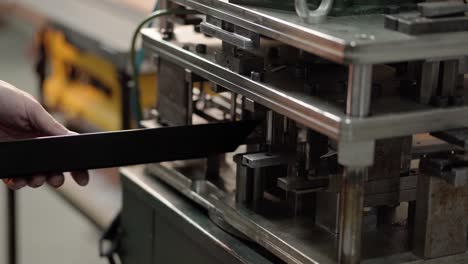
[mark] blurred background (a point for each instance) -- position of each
(72, 55)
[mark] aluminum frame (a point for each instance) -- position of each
(350, 39)
(310, 111)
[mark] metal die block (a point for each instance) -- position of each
(250, 175)
(261, 160)
(174, 94)
(442, 8)
(441, 218)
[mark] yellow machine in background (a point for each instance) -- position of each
(86, 87)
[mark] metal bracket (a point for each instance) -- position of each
(261, 160)
(237, 36)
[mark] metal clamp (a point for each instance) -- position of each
(315, 16)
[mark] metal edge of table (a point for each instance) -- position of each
(311, 111)
(313, 38)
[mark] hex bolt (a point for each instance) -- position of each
(457, 100)
(200, 48)
(441, 101)
(256, 76)
(273, 52)
(167, 35)
(300, 71)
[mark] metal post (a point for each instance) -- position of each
(258, 188)
(244, 182)
(351, 206)
(189, 80)
(165, 26)
(125, 103)
(11, 227)
(233, 110)
(359, 90)
(162, 22)
(429, 81)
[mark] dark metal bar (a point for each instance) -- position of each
(11, 227)
(213, 164)
(125, 103)
(122, 148)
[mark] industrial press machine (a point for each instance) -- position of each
(359, 155)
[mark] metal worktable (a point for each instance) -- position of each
(159, 194)
(172, 222)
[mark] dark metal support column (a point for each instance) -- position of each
(125, 102)
(11, 227)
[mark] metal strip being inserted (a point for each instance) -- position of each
(122, 148)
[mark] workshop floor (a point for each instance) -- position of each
(50, 230)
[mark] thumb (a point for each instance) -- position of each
(43, 122)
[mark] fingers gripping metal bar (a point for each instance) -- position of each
(112, 149)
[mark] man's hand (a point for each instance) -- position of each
(21, 117)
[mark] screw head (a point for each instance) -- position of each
(201, 48)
